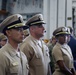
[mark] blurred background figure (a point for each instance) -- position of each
(72, 44)
(52, 41)
(50, 45)
(46, 40)
(3, 40)
(26, 33)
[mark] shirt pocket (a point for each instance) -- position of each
(14, 68)
(38, 61)
(47, 56)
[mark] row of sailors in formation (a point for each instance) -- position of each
(31, 57)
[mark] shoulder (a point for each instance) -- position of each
(3, 57)
(57, 48)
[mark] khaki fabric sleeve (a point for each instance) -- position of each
(57, 54)
(28, 51)
(3, 64)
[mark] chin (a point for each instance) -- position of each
(42, 35)
(20, 41)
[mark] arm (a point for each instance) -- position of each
(63, 68)
(28, 51)
(3, 68)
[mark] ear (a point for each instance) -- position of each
(8, 32)
(32, 28)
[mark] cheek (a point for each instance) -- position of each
(15, 36)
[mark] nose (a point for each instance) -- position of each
(43, 28)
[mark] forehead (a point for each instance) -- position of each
(39, 25)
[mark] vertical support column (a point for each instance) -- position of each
(53, 16)
(50, 16)
(46, 14)
(57, 13)
(69, 12)
(65, 12)
(61, 13)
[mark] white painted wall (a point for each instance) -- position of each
(56, 13)
(61, 13)
(46, 14)
(74, 7)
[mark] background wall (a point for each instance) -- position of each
(56, 12)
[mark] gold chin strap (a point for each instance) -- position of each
(62, 33)
(16, 25)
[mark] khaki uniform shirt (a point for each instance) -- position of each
(62, 52)
(12, 63)
(37, 54)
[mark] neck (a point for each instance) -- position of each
(13, 44)
(36, 37)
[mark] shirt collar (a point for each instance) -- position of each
(11, 50)
(34, 40)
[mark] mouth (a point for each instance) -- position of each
(22, 37)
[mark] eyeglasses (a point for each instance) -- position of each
(18, 29)
(4, 40)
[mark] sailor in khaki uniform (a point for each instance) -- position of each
(34, 48)
(12, 60)
(62, 53)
